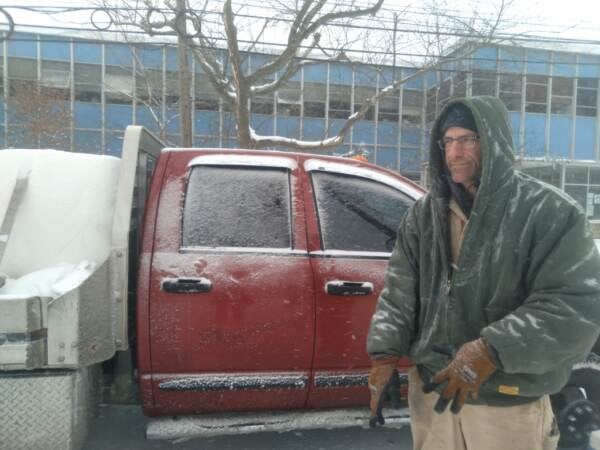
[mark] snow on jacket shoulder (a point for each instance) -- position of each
(528, 276)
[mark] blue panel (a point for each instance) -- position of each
(537, 62)
(57, 51)
(485, 58)
(151, 57)
(387, 157)
(413, 83)
(389, 75)
(207, 122)
(118, 116)
(206, 141)
(288, 126)
(315, 73)
(145, 118)
(88, 141)
(335, 125)
(365, 75)
(560, 136)
(2, 135)
(1, 115)
(535, 125)
(585, 138)
(172, 59)
(22, 45)
(314, 128)
(564, 64)
(229, 125)
(431, 78)
(230, 143)
(511, 59)
(515, 124)
(173, 120)
(411, 136)
(114, 144)
(263, 124)
(387, 133)
(589, 66)
(340, 73)
(88, 115)
(410, 159)
(118, 55)
(364, 132)
(258, 60)
(87, 53)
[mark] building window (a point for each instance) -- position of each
(118, 85)
(262, 104)
(460, 85)
(149, 87)
(88, 83)
(412, 107)
(314, 99)
(205, 96)
(484, 83)
(388, 108)
(536, 93)
(510, 91)
(289, 100)
(339, 102)
(587, 96)
(562, 95)
(361, 95)
(444, 93)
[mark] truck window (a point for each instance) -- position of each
(357, 214)
(237, 207)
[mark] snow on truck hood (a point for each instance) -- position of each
(63, 224)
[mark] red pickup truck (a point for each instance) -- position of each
(259, 275)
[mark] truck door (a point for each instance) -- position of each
(231, 308)
(357, 215)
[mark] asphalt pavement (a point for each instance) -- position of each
(122, 427)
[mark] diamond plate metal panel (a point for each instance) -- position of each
(45, 410)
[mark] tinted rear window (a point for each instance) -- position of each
(237, 207)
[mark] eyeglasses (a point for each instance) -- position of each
(467, 142)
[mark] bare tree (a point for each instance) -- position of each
(43, 114)
(312, 31)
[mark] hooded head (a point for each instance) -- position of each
(487, 118)
(458, 115)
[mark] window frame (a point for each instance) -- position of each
(403, 188)
(244, 161)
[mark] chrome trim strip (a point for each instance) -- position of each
(348, 380)
(207, 383)
(278, 162)
(245, 250)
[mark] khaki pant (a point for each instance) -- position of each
(479, 427)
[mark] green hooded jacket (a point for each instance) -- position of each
(527, 279)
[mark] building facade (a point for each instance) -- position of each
(79, 95)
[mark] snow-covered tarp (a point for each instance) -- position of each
(62, 228)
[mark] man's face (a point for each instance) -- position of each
(463, 155)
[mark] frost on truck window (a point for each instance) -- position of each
(357, 214)
(237, 207)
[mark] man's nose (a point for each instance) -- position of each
(454, 148)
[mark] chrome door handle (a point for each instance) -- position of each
(186, 285)
(339, 287)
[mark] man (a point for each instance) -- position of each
(493, 291)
